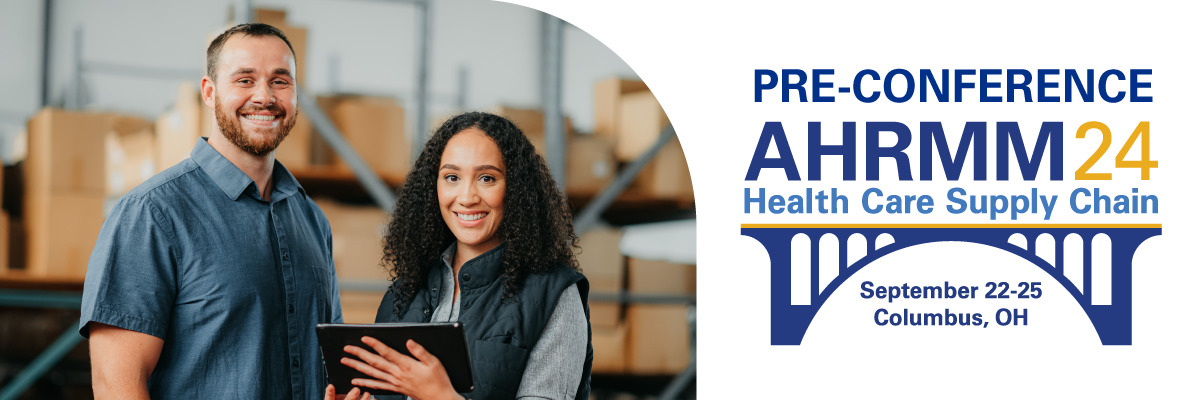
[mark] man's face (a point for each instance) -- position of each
(254, 92)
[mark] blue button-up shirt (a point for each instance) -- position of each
(233, 284)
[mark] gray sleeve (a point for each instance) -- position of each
(556, 361)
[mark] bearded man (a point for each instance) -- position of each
(207, 280)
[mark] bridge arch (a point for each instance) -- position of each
(1113, 321)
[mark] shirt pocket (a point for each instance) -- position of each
(322, 286)
(498, 366)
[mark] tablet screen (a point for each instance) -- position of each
(446, 341)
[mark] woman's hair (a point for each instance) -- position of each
(536, 225)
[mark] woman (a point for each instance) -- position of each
(481, 235)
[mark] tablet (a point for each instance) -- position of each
(446, 341)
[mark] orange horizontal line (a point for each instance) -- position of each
(968, 226)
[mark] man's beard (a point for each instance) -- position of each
(231, 128)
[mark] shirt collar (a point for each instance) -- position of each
(232, 180)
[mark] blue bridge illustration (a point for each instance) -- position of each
(1107, 252)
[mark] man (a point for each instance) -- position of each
(207, 280)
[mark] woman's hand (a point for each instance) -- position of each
(423, 378)
(330, 394)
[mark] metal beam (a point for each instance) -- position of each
(553, 132)
(640, 298)
(590, 215)
(42, 363)
(681, 381)
(378, 190)
(243, 12)
(74, 97)
(57, 350)
(422, 98)
(40, 299)
(47, 16)
(424, 20)
(139, 71)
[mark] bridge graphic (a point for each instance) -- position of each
(1100, 280)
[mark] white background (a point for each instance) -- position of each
(699, 59)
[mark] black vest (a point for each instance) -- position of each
(500, 335)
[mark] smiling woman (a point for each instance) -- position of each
(481, 235)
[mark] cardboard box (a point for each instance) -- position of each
(591, 165)
(3, 241)
(295, 152)
(65, 153)
(296, 35)
(641, 122)
(660, 277)
(666, 177)
(605, 314)
(357, 239)
(62, 230)
(360, 307)
(129, 154)
(606, 103)
(659, 341)
(608, 349)
(16, 243)
(176, 130)
(601, 260)
(532, 122)
(374, 126)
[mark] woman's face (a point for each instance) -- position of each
(471, 181)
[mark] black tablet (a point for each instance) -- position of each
(446, 341)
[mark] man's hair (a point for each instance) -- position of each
(253, 29)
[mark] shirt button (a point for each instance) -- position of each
(291, 308)
(466, 277)
(426, 311)
(295, 362)
(285, 257)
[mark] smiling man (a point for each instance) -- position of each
(207, 280)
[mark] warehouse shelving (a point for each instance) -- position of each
(379, 187)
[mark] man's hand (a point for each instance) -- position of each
(122, 361)
(330, 394)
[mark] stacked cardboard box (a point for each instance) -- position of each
(606, 105)
(177, 130)
(296, 35)
(591, 165)
(295, 152)
(359, 307)
(659, 340)
(4, 237)
(374, 127)
(666, 177)
(641, 339)
(4, 230)
(64, 190)
(641, 121)
(628, 112)
(357, 239)
(602, 262)
(129, 154)
(357, 252)
(532, 122)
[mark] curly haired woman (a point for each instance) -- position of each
(481, 235)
